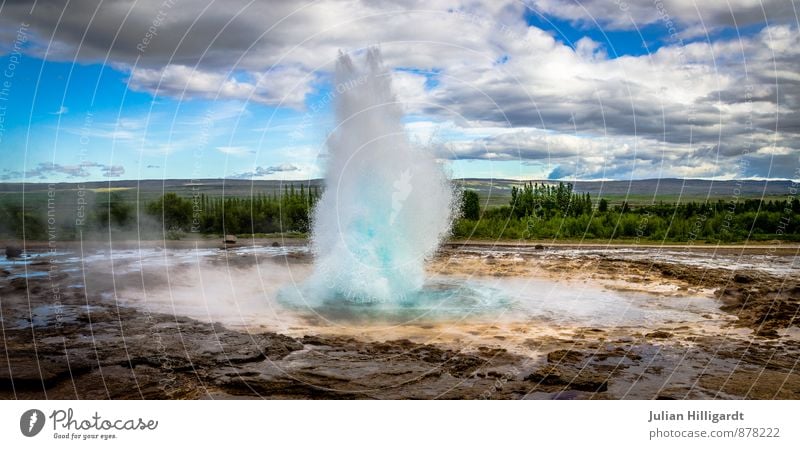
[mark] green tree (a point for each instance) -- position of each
(470, 205)
(174, 212)
(19, 223)
(115, 211)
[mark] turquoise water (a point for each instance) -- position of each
(439, 299)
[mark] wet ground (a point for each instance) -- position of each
(196, 321)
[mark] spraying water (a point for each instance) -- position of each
(386, 205)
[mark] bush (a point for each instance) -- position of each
(172, 211)
(470, 205)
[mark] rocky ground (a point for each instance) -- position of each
(63, 341)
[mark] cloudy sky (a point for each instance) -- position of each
(561, 89)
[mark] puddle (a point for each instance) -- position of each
(54, 315)
(27, 274)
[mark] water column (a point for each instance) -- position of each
(386, 204)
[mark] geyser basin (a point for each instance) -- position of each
(386, 204)
(440, 299)
(226, 286)
(265, 289)
(460, 300)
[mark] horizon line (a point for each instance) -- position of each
(190, 180)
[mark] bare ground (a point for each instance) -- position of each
(62, 342)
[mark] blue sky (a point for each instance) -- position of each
(86, 112)
(519, 92)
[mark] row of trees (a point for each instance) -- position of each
(287, 211)
(556, 212)
(549, 201)
(262, 213)
(41, 222)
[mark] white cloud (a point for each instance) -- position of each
(235, 150)
(44, 171)
(279, 87)
(273, 171)
(693, 14)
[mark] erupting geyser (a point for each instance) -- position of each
(386, 205)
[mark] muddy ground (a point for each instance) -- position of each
(62, 340)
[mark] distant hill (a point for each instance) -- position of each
(645, 191)
(67, 193)
(496, 191)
